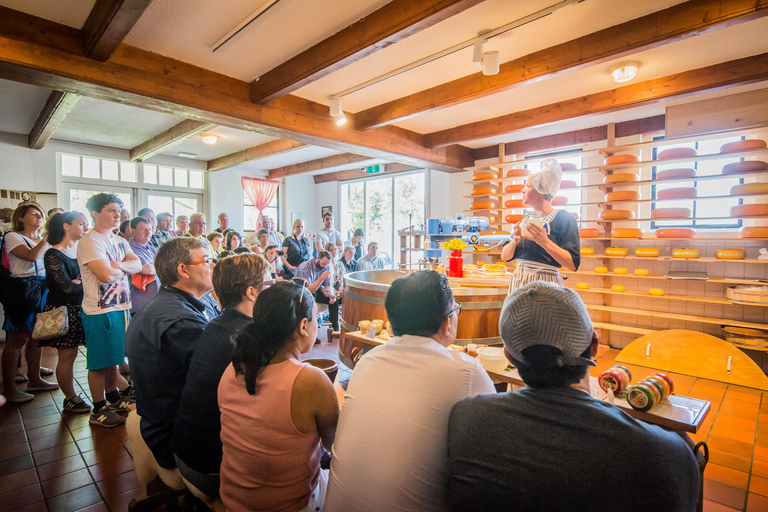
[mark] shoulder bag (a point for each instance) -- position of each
(51, 324)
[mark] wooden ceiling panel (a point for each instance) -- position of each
(108, 24)
(271, 148)
(171, 137)
(316, 165)
(56, 109)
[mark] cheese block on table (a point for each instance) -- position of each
(518, 173)
(672, 153)
(677, 193)
(675, 233)
(747, 189)
(484, 191)
(745, 166)
(754, 232)
(676, 174)
(514, 203)
(511, 189)
(621, 177)
(622, 159)
(622, 195)
(749, 210)
(670, 213)
(627, 233)
(567, 184)
(742, 145)
(617, 214)
(589, 233)
(482, 205)
(478, 176)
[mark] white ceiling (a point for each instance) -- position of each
(20, 104)
(72, 13)
(230, 141)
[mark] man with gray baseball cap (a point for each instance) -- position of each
(550, 445)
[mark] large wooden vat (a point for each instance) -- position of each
(365, 292)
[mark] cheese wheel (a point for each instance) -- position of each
(669, 154)
(518, 173)
(641, 397)
(623, 195)
(667, 379)
(730, 254)
(512, 189)
(587, 251)
(491, 218)
(675, 233)
(754, 232)
(749, 210)
(746, 166)
(675, 174)
(568, 167)
(601, 270)
(483, 191)
(482, 205)
(617, 214)
(622, 159)
(478, 176)
(670, 213)
(559, 201)
(616, 251)
(617, 288)
(568, 184)
(482, 248)
(658, 292)
(513, 203)
(686, 253)
(641, 272)
(742, 145)
(647, 252)
(620, 271)
(748, 189)
(621, 177)
(514, 219)
(677, 193)
(627, 233)
(589, 233)
(582, 286)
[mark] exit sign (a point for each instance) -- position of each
(373, 169)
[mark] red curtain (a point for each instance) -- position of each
(260, 192)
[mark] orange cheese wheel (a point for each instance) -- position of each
(514, 203)
(621, 177)
(568, 167)
(647, 252)
(641, 272)
(587, 251)
(617, 214)
(742, 145)
(754, 232)
(670, 213)
(484, 176)
(749, 210)
(514, 219)
(482, 205)
(669, 154)
(589, 233)
(749, 189)
(658, 292)
(483, 191)
(517, 173)
(616, 251)
(730, 254)
(746, 166)
(627, 233)
(568, 184)
(559, 201)
(601, 270)
(623, 195)
(675, 174)
(686, 253)
(619, 270)
(622, 159)
(617, 288)
(676, 193)
(511, 189)
(675, 233)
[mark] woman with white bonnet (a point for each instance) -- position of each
(541, 251)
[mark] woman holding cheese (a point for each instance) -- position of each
(540, 248)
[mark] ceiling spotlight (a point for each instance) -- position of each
(337, 113)
(487, 61)
(625, 72)
(209, 138)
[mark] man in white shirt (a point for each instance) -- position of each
(197, 230)
(268, 224)
(327, 235)
(371, 260)
(390, 449)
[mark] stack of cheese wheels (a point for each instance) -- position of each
(617, 379)
(670, 213)
(514, 218)
(647, 252)
(743, 145)
(749, 210)
(647, 393)
(513, 203)
(675, 233)
(676, 174)
(627, 233)
(484, 191)
(686, 253)
(587, 251)
(754, 232)
(568, 184)
(617, 214)
(622, 195)
(559, 201)
(730, 254)
(622, 159)
(616, 251)
(749, 189)
(482, 176)
(745, 166)
(589, 233)
(518, 173)
(513, 189)
(482, 205)
(675, 153)
(621, 177)
(677, 193)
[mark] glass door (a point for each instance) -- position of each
(77, 196)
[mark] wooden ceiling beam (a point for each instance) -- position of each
(352, 174)
(271, 148)
(171, 137)
(316, 165)
(151, 81)
(719, 76)
(57, 107)
(108, 24)
(392, 23)
(659, 28)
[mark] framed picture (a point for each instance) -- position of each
(326, 209)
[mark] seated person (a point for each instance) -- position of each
(275, 410)
(196, 443)
(317, 273)
(551, 446)
(371, 261)
(390, 448)
(215, 239)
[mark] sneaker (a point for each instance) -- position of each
(123, 405)
(129, 392)
(43, 385)
(106, 417)
(76, 405)
(19, 396)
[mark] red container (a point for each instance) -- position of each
(456, 264)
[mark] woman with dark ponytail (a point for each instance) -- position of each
(275, 410)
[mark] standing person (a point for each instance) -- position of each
(327, 235)
(317, 273)
(232, 241)
(276, 410)
(144, 285)
(164, 230)
(540, 254)
(223, 221)
(65, 288)
(296, 249)
(197, 230)
(216, 241)
(182, 225)
(347, 260)
(356, 242)
(337, 269)
(24, 247)
(105, 261)
(371, 260)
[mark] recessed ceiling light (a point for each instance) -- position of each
(625, 72)
(184, 154)
(209, 138)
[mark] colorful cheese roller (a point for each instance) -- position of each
(657, 388)
(640, 397)
(667, 379)
(613, 379)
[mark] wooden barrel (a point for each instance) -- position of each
(366, 291)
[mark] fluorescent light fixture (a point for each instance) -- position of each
(625, 72)
(184, 154)
(337, 113)
(209, 138)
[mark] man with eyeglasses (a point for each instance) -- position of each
(197, 230)
(390, 447)
(144, 285)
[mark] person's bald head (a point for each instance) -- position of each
(196, 224)
(223, 221)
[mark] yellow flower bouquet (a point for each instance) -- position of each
(455, 245)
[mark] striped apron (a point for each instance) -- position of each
(528, 271)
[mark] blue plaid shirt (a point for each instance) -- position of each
(310, 273)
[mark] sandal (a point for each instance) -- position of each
(21, 378)
(45, 372)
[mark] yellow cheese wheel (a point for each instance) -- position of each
(589, 233)
(479, 176)
(754, 232)
(568, 167)
(616, 251)
(746, 166)
(627, 233)
(484, 191)
(677, 193)
(748, 189)
(617, 288)
(601, 270)
(675, 233)
(582, 286)
(622, 159)
(749, 210)
(587, 251)
(730, 254)
(620, 271)
(669, 154)
(621, 177)
(658, 292)
(482, 205)
(617, 214)
(512, 189)
(686, 253)
(670, 213)
(623, 195)
(647, 252)
(559, 201)
(513, 203)
(675, 174)
(641, 272)
(514, 219)
(742, 145)
(518, 173)
(568, 183)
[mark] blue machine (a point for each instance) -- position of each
(468, 229)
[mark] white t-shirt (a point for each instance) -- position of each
(328, 237)
(390, 451)
(18, 266)
(100, 298)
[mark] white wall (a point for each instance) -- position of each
(300, 196)
(225, 194)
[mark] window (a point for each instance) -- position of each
(97, 169)
(172, 203)
(251, 214)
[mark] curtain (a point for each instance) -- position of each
(260, 192)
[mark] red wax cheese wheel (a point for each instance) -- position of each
(627, 233)
(622, 159)
(675, 233)
(623, 195)
(484, 176)
(511, 189)
(742, 145)
(517, 173)
(754, 232)
(669, 154)
(514, 203)
(483, 191)
(482, 205)
(676, 193)
(567, 184)
(749, 210)
(589, 233)
(621, 177)
(747, 166)
(670, 213)
(568, 167)
(748, 189)
(559, 201)
(617, 214)
(675, 174)
(514, 219)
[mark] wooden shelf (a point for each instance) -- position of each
(705, 300)
(676, 316)
(690, 219)
(603, 204)
(633, 276)
(667, 258)
(622, 328)
(697, 239)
